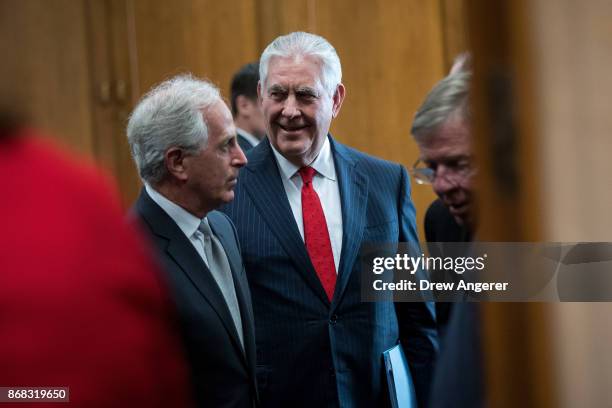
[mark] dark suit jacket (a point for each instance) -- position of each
(223, 374)
(440, 226)
(458, 380)
(310, 352)
(459, 375)
(245, 145)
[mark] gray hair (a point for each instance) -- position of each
(449, 96)
(304, 44)
(170, 115)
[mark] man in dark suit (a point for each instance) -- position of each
(248, 117)
(184, 144)
(304, 206)
(442, 130)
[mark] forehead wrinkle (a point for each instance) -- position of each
(443, 149)
(292, 71)
(219, 120)
(445, 152)
(229, 131)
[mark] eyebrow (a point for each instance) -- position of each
(447, 159)
(306, 89)
(277, 88)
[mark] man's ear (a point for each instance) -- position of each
(338, 98)
(242, 104)
(259, 91)
(175, 162)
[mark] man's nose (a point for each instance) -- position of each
(238, 158)
(291, 108)
(442, 182)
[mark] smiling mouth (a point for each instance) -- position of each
(292, 128)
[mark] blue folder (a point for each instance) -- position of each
(399, 380)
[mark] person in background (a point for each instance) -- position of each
(248, 117)
(304, 206)
(442, 128)
(442, 131)
(183, 141)
(82, 303)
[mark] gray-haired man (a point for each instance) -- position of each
(442, 130)
(184, 144)
(304, 207)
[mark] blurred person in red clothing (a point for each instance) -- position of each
(81, 305)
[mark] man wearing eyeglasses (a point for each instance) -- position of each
(442, 131)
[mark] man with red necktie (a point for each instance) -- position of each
(304, 205)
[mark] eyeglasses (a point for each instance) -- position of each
(455, 171)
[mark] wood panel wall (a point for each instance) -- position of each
(100, 56)
(517, 341)
(45, 69)
(554, 60)
(209, 38)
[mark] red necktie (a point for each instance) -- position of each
(316, 235)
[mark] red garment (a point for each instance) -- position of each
(81, 305)
(316, 235)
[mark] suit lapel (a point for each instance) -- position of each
(265, 187)
(182, 252)
(353, 196)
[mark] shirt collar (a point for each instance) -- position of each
(323, 163)
(187, 222)
(248, 136)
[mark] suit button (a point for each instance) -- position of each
(333, 320)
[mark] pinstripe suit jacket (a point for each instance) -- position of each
(310, 352)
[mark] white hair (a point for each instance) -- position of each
(450, 96)
(304, 44)
(170, 115)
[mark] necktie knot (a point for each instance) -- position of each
(307, 173)
(204, 228)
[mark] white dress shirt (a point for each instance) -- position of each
(187, 222)
(249, 137)
(325, 184)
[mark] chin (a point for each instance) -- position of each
(287, 143)
(300, 138)
(294, 151)
(227, 197)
